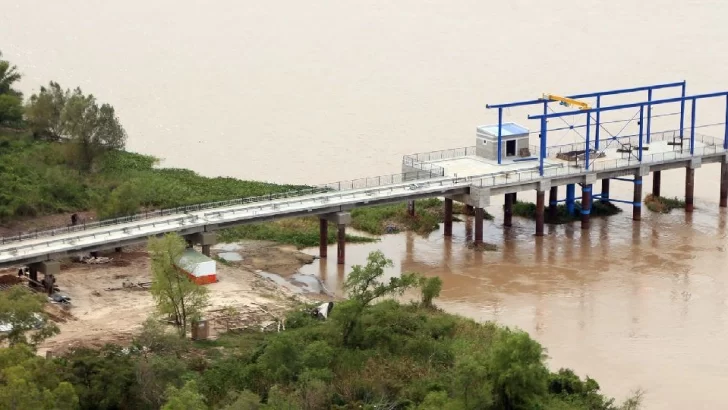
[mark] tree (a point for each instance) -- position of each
(186, 398)
(175, 294)
(430, 288)
(364, 285)
(44, 110)
(8, 76)
(22, 311)
(11, 110)
(90, 129)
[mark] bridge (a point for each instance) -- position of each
(501, 163)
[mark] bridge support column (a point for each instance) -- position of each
(33, 275)
(204, 239)
(479, 213)
(689, 189)
(469, 210)
(515, 197)
(508, 211)
(605, 191)
(553, 203)
(323, 238)
(411, 208)
(570, 195)
(448, 217)
(540, 212)
(585, 205)
(723, 184)
(117, 249)
(637, 199)
(656, 182)
(49, 269)
(341, 219)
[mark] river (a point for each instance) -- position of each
(318, 91)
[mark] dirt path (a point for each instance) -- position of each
(98, 316)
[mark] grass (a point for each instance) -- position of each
(663, 205)
(301, 232)
(599, 209)
(378, 220)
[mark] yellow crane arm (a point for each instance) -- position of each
(567, 101)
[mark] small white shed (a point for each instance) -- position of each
(200, 268)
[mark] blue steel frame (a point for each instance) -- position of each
(641, 105)
(598, 95)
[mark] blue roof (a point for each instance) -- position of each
(507, 129)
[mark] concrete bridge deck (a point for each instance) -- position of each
(476, 181)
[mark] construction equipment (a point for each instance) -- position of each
(566, 101)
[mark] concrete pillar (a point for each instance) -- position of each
(323, 238)
(33, 275)
(539, 212)
(117, 249)
(206, 250)
(689, 188)
(204, 239)
(553, 203)
(94, 254)
(448, 217)
(469, 210)
(515, 197)
(508, 210)
(585, 205)
(49, 269)
(723, 184)
(341, 245)
(656, 181)
(411, 208)
(637, 201)
(605, 191)
(570, 195)
(479, 213)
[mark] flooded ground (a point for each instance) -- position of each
(632, 304)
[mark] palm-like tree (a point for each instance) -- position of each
(8, 75)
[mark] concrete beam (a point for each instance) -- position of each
(49, 267)
(544, 185)
(478, 197)
(339, 218)
(695, 163)
(590, 179)
(643, 171)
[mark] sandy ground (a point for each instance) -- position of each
(103, 311)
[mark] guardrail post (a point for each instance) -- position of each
(723, 183)
(570, 195)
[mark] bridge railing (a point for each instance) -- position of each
(361, 183)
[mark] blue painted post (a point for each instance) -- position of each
(543, 146)
(725, 137)
(682, 112)
(500, 133)
(596, 135)
(692, 128)
(585, 205)
(649, 114)
(570, 191)
(642, 112)
(586, 152)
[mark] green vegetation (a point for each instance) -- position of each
(11, 100)
(663, 205)
(378, 220)
(22, 310)
(175, 294)
(371, 353)
(528, 210)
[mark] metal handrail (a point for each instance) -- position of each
(360, 183)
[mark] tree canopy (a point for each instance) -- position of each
(11, 100)
(22, 311)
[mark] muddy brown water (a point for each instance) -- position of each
(316, 91)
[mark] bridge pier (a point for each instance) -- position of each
(33, 275)
(723, 183)
(690, 184)
(448, 217)
(570, 195)
(604, 198)
(586, 191)
(469, 210)
(637, 199)
(323, 238)
(411, 208)
(553, 203)
(204, 239)
(656, 182)
(539, 212)
(49, 269)
(479, 214)
(341, 245)
(508, 210)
